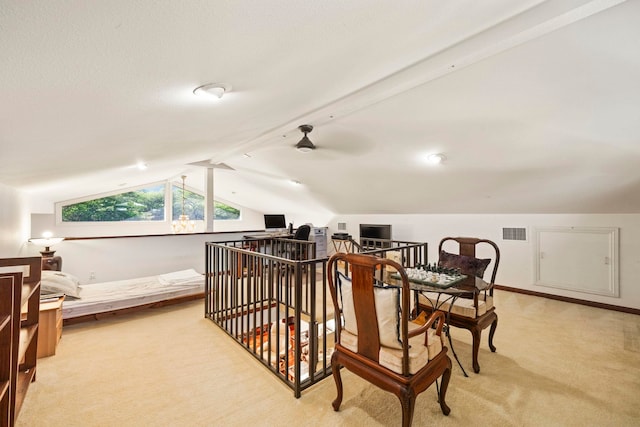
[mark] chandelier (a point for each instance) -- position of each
(183, 225)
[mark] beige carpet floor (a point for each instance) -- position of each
(557, 364)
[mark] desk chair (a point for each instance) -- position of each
(302, 233)
(298, 251)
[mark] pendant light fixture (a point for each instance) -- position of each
(183, 224)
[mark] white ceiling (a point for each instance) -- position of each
(536, 105)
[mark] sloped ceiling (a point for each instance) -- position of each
(535, 105)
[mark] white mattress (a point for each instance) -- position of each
(102, 297)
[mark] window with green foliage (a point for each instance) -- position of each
(194, 206)
(146, 204)
(225, 212)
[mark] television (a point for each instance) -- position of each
(371, 235)
(274, 221)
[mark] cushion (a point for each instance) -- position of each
(58, 282)
(419, 355)
(391, 358)
(461, 306)
(468, 265)
(387, 301)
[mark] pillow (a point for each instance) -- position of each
(59, 282)
(468, 265)
(387, 301)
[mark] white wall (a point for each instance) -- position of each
(517, 257)
(14, 222)
(129, 257)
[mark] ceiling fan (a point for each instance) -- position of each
(305, 145)
(330, 149)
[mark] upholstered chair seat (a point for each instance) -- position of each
(391, 358)
(461, 306)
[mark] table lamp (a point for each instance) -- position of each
(47, 241)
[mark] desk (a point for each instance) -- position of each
(467, 286)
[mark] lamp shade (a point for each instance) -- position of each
(46, 241)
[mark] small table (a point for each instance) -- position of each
(466, 285)
(50, 327)
(342, 245)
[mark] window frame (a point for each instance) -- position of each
(168, 207)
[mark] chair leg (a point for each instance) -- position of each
(476, 332)
(335, 369)
(492, 331)
(407, 400)
(443, 390)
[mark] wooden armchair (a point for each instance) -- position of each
(473, 311)
(376, 340)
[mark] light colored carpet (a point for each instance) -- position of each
(557, 364)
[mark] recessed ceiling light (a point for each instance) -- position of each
(435, 159)
(141, 165)
(295, 182)
(212, 90)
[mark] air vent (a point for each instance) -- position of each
(514, 233)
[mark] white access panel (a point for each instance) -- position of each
(582, 259)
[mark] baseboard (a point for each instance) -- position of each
(567, 299)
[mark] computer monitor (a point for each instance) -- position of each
(274, 221)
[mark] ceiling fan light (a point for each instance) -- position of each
(305, 145)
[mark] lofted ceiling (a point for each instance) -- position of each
(535, 104)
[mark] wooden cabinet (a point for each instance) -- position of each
(19, 318)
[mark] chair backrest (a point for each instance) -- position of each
(302, 233)
(364, 302)
(467, 248)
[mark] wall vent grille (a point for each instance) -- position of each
(514, 233)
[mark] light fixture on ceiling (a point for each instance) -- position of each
(183, 225)
(305, 145)
(142, 166)
(436, 159)
(212, 90)
(47, 241)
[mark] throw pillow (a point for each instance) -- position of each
(387, 301)
(468, 265)
(59, 282)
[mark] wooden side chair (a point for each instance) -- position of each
(375, 339)
(473, 311)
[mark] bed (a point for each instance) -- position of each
(99, 300)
